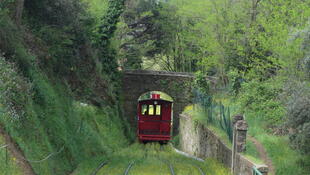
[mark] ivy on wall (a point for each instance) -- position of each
(105, 32)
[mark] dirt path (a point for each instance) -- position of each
(263, 155)
(17, 153)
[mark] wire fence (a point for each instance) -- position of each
(8, 162)
(3, 146)
(216, 113)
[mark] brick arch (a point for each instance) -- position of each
(177, 85)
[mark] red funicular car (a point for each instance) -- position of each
(154, 119)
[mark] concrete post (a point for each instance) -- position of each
(236, 118)
(240, 128)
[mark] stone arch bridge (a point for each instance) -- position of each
(137, 82)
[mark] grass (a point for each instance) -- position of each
(152, 159)
(53, 121)
(94, 133)
(285, 160)
(251, 153)
(8, 164)
(201, 117)
(221, 134)
(89, 165)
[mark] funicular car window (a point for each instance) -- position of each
(151, 109)
(158, 110)
(144, 109)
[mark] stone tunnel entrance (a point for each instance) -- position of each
(138, 82)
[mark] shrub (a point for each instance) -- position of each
(201, 83)
(298, 111)
(15, 90)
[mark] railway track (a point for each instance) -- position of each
(126, 172)
(172, 172)
(171, 169)
(171, 164)
(99, 168)
(128, 168)
(200, 170)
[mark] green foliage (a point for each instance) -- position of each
(66, 38)
(201, 83)
(103, 33)
(285, 160)
(146, 38)
(14, 90)
(97, 8)
(4, 6)
(108, 26)
(47, 12)
(213, 113)
(81, 130)
(219, 36)
(262, 99)
(135, 34)
(298, 112)
(48, 61)
(304, 63)
(252, 153)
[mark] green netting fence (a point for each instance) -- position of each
(215, 112)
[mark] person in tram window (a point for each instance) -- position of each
(146, 112)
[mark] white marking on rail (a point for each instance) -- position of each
(187, 155)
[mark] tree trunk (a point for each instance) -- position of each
(16, 11)
(19, 11)
(254, 10)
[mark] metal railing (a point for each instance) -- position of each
(256, 171)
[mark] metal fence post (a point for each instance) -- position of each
(260, 170)
(6, 156)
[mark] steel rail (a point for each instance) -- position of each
(171, 169)
(129, 167)
(99, 168)
(44, 159)
(200, 170)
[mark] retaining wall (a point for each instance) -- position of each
(199, 141)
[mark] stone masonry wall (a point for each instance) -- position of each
(137, 82)
(199, 141)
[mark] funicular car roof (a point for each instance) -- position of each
(162, 100)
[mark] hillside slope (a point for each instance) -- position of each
(57, 100)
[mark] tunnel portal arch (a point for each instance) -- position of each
(138, 82)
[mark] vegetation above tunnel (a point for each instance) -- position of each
(60, 78)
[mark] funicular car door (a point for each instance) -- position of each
(165, 126)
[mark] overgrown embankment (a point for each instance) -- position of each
(153, 158)
(58, 93)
